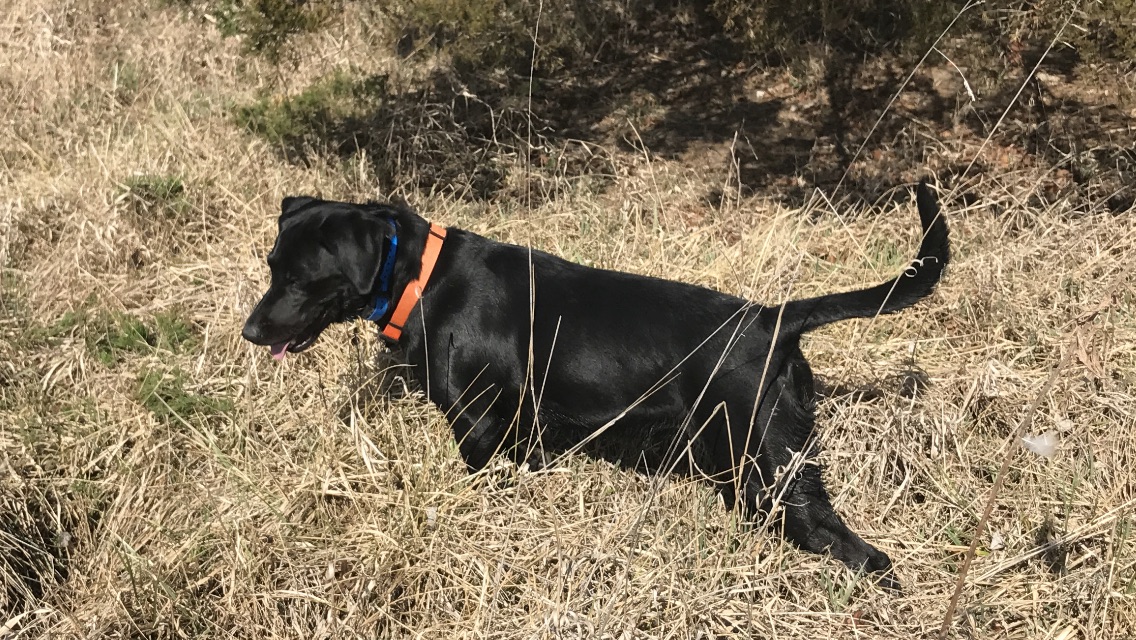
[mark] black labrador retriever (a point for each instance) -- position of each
(528, 353)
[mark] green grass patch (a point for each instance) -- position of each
(12, 293)
(316, 112)
(121, 334)
(267, 25)
(164, 394)
(164, 197)
(156, 189)
(38, 335)
(839, 587)
(111, 337)
(885, 255)
(127, 81)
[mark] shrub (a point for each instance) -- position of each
(784, 29)
(503, 35)
(497, 35)
(1101, 30)
(1112, 30)
(315, 114)
(410, 139)
(266, 25)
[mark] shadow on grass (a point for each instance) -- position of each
(697, 97)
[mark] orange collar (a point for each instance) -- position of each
(413, 290)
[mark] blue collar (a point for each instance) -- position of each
(382, 300)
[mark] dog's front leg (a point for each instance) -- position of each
(480, 434)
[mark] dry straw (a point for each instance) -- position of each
(161, 478)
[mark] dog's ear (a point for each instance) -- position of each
(292, 204)
(361, 250)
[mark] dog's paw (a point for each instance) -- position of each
(883, 572)
(887, 581)
(536, 461)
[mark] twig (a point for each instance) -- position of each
(1108, 518)
(528, 108)
(1015, 438)
(965, 84)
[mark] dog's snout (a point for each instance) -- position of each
(253, 332)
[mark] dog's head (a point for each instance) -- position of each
(325, 269)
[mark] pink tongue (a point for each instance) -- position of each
(279, 350)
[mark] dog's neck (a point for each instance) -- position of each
(420, 263)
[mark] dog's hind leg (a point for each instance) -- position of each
(811, 523)
(806, 513)
(479, 438)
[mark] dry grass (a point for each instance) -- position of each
(166, 482)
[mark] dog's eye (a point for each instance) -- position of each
(281, 277)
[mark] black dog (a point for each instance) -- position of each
(527, 353)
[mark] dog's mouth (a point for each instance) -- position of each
(299, 343)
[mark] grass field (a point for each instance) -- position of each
(161, 478)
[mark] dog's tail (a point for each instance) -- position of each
(914, 284)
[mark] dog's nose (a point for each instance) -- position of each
(253, 333)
